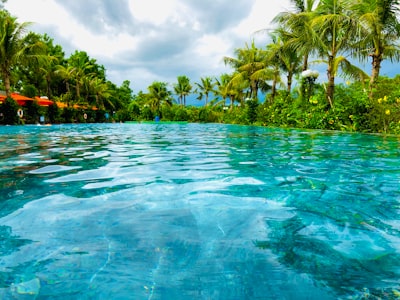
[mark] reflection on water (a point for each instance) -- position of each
(190, 211)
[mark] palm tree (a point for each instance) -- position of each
(223, 87)
(285, 56)
(101, 91)
(380, 32)
(298, 33)
(335, 31)
(67, 73)
(158, 95)
(183, 88)
(205, 87)
(14, 46)
(248, 61)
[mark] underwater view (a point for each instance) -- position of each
(197, 211)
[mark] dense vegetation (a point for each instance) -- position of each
(272, 86)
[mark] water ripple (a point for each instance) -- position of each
(158, 211)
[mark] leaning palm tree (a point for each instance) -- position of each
(14, 46)
(380, 27)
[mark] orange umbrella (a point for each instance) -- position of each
(21, 100)
(44, 101)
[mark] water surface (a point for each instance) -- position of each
(194, 211)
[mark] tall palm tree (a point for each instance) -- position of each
(205, 87)
(298, 33)
(286, 57)
(335, 31)
(14, 46)
(380, 26)
(183, 88)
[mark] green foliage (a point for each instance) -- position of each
(53, 114)
(208, 115)
(32, 112)
(30, 90)
(9, 111)
(181, 114)
(147, 113)
(251, 110)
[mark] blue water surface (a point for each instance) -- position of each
(197, 211)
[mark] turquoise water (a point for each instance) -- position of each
(192, 211)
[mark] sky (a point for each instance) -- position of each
(152, 40)
(157, 40)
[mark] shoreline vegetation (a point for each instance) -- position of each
(271, 86)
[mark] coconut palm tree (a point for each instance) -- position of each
(298, 33)
(67, 73)
(286, 57)
(205, 87)
(248, 61)
(335, 32)
(223, 86)
(14, 46)
(158, 95)
(183, 88)
(380, 30)
(101, 91)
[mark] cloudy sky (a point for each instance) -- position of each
(147, 40)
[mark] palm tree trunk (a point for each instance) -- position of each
(289, 81)
(331, 82)
(376, 66)
(305, 62)
(78, 93)
(254, 90)
(7, 84)
(273, 90)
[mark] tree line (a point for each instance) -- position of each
(273, 86)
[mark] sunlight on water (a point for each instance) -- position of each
(196, 211)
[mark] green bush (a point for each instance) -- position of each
(9, 111)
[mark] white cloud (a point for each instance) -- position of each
(155, 11)
(161, 38)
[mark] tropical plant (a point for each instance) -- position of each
(158, 95)
(380, 31)
(222, 93)
(335, 31)
(249, 65)
(14, 46)
(286, 57)
(183, 88)
(204, 88)
(298, 33)
(67, 73)
(101, 91)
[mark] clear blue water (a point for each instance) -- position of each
(192, 211)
